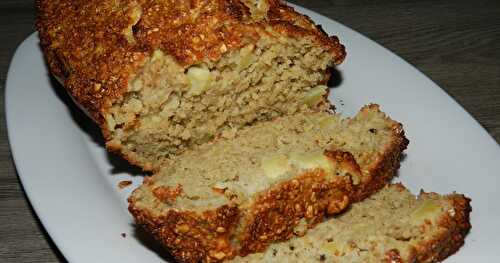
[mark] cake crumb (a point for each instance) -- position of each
(124, 183)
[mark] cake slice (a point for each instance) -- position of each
(161, 77)
(390, 226)
(267, 183)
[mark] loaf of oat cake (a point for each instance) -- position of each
(270, 182)
(390, 226)
(160, 77)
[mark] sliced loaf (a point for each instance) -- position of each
(390, 226)
(163, 76)
(267, 183)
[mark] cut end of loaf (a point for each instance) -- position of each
(170, 108)
(282, 176)
(97, 46)
(161, 77)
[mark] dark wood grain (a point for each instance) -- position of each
(454, 42)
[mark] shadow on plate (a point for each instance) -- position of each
(335, 78)
(87, 125)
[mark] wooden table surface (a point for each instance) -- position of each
(454, 42)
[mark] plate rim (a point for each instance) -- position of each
(37, 207)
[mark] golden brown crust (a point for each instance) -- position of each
(276, 213)
(455, 225)
(192, 237)
(96, 46)
(85, 47)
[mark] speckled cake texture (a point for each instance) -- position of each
(269, 183)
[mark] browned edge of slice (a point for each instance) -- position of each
(455, 224)
(276, 213)
(191, 237)
(437, 238)
(208, 237)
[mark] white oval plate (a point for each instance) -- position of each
(72, 182)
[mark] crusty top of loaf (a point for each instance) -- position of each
(96, 46)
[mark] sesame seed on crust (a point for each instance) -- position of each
(277, 212)
(192, 237)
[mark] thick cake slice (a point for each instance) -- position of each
(163, 76)
(390, 226)
(267, 183)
